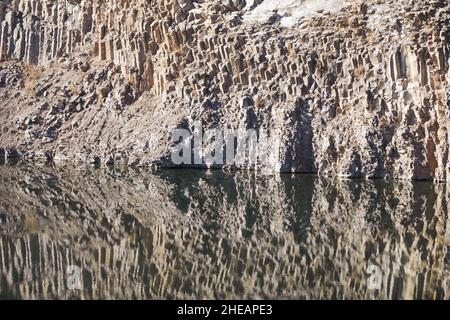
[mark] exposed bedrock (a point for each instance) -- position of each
(356, 89)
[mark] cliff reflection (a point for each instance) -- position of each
(189, 234)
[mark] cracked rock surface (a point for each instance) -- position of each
(356, 88)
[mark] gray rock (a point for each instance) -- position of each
(373, 79)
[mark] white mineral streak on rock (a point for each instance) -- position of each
(290, 11)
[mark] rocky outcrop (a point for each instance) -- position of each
(203, 236)
(355, 88)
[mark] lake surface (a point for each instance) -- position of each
(86, 233)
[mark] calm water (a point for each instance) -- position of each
(69, 232)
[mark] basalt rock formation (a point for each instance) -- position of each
(134, 234)
(355, 88)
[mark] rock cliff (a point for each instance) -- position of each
(356, 88)
(141, 235)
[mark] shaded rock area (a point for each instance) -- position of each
(188, 234)
(357, 91)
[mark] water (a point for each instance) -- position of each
(107, 233)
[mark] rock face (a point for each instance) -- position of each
(176, 235)
(355, 88)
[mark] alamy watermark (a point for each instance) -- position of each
(447, 237)
(375, 277)
(447, 232)
(73, 280)
(240, 147)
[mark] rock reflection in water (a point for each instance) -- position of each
(189, 234)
